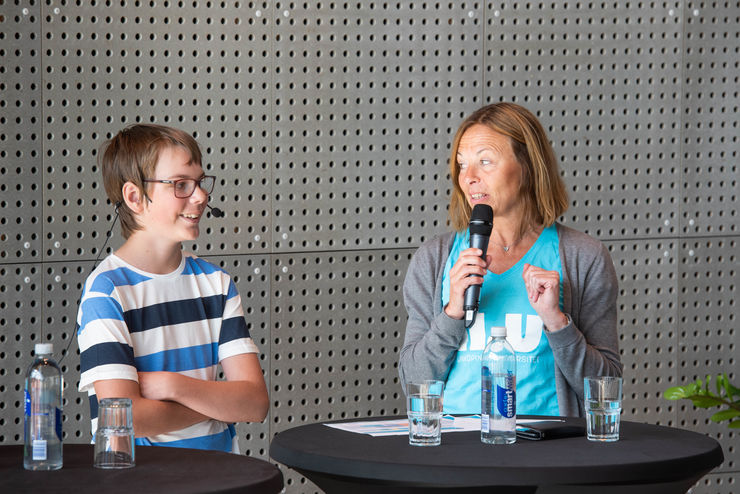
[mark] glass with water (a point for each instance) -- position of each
(602, 397)
(424, 409)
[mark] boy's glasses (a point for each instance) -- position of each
(184, 187)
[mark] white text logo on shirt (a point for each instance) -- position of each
(523, 339)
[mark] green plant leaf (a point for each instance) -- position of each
(675, 393)
(719, 384)
(730, 389)
(725, 415)
(702, 397)
(705, 401)
(692, 388)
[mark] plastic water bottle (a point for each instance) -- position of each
(498, 390)
(43, 412)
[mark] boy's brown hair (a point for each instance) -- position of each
(132, 156)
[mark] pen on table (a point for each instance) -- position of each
(532, 421)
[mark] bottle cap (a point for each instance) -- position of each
(498, 331)
(44, 348)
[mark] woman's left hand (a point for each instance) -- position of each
(543, 291)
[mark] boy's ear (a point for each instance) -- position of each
(132, 197)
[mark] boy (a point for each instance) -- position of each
(154, 321)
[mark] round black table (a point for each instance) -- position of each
(647, 458)
(158, 470)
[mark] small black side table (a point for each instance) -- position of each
(158, 470)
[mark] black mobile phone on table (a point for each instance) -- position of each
(550, 429)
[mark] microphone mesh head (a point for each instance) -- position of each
(481, 220)
(482, 212)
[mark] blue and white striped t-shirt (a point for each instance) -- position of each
(186, 321)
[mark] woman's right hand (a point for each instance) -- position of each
(469, 262)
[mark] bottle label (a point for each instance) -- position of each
(506, 397)
(39, 450)
(485, 423)
(58, 423)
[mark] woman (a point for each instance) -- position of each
(554, 288)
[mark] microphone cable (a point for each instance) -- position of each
(108, 235)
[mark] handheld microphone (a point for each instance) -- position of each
(216, 212)
(481, 224)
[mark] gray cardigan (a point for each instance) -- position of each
(587, 346)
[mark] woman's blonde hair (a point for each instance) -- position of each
(132, 156)
(541, 189)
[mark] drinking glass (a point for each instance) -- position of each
(424, 409)
(114, 438)
(602, 396)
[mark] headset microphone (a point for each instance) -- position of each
(216, 212)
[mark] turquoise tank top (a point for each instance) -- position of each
(504, 302)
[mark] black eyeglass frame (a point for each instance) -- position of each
(198, 182)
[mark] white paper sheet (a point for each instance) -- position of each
(400, 427)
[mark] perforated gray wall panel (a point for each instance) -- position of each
(648, 338)
(365, 99)
(252, 275)
(328, 125)
(708, 325)
(20, 327)
(337, 322)
(204, 67)
(711, 127)
(20, 128)
(60, 283)
(605, 80)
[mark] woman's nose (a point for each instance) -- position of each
(469, 175)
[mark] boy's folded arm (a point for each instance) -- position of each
(151, 417)
(241, 398)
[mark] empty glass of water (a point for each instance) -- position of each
(424, 409)
(602, 396)
(114, 438)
